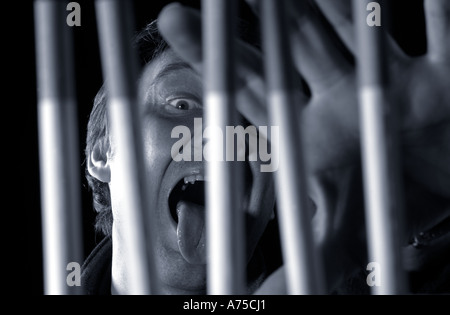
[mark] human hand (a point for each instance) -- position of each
(330, 119)
(419, 90)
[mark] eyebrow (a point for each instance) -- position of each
(169, 69)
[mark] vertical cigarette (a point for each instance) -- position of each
(119, 65)
(300, 254)
(379, 152)
(224, 216)
(58, 147)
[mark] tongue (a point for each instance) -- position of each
(191, 232)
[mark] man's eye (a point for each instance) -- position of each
(183, 104)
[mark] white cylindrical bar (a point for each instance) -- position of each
(58, 149)
(381, 170)
(300, 253)
(119, 65)
(224, 216)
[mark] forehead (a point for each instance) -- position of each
(164, 64)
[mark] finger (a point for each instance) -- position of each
(181, 28)
(437, 13)
(339, 14)
(315, 54)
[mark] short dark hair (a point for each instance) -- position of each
(149, 44)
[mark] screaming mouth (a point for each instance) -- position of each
(190, 188)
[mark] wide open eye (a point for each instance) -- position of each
(182, 103)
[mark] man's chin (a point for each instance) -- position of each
(183, 278)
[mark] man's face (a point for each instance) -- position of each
(171, 95)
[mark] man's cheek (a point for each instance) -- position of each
(157, 142)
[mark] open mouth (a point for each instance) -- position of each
(189, 189)
(187, 208)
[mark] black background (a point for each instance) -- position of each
(407, 28)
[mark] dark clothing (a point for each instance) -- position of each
(435, 279)
(96, 270)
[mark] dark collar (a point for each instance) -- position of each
(96, 270)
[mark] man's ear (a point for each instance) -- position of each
(97, 163)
